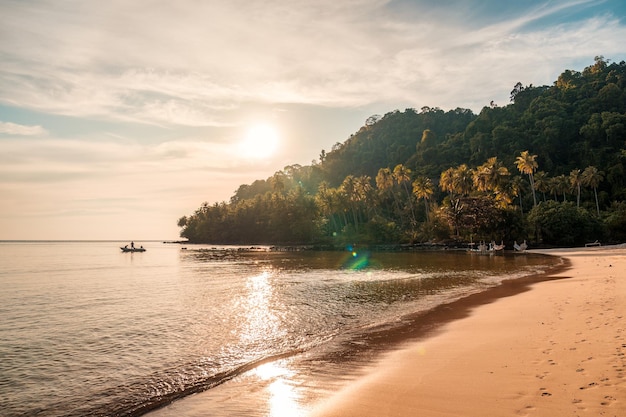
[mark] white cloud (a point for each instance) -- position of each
(21, 130)
(192, 64)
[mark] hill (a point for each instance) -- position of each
(548, 167)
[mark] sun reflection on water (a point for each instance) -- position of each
(283, 396)
(260, 321)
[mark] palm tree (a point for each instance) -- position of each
(384, 179)
(517, 186)
(327, 201)
(561, 185)
(490, 175)
(385, 183)
(446, 181)
(363, 189)
(591, 177)
(542, 183)
(575, 182)
(349, 189)
(402, 175)
(464, 179)
(457, 180)
(423, 188)
(526, 164)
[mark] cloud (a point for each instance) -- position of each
(116, 60)
(21, 130)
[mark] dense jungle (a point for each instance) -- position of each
(548, 168)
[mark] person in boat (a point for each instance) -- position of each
(125, 246)
(132, 245)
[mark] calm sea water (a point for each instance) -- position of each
(88, 330)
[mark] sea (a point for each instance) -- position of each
(201, 330)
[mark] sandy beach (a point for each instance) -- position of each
(558, 349)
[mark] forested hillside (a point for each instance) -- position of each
(548, 168)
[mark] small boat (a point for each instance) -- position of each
(482, 249)
(520, 248)
(126, 249)
(495, 247)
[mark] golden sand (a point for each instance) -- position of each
(556, 350)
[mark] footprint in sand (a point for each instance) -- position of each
(607, 400)
(545, 393)
(590, 385)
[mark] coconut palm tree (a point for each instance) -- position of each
(517, 186)
(349, 188)
(542, 183)
(457, 181)
(591, 177)
(384, 179)
(490, 175)
(446, 181)
(575, 182)
(562, 185)
(464, 179)
(385, 183)
(402, 175)
(327, 201)
(363, 189)
(423, 188)
(527, 164)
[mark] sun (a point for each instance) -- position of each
(260, 142)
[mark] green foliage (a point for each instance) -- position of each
(615, 220)
(414, 176)
(564, 224)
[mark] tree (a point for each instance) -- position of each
(490, 175)
(591, 177)
(402, 175)
(575, 182)
(564, 224)
(384, 179)
(542, 183)
(518, 88)
(517, 186)
(349, 189)
(446, 181)
(423, 189)
(559, 185)
(278, 182)
(527, 164)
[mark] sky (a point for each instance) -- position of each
(119, 117)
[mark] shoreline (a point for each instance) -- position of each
(556, 350)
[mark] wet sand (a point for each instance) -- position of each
(556, 350)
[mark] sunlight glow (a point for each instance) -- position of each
(260, 142)
(258, 318)
(283, 401)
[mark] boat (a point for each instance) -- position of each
(496, 247)
(520, 248)
(127, 249)
(482, 249)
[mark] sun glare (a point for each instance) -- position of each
(260, 142)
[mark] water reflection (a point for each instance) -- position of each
(260, 321)
(283, 395)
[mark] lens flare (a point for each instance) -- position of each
(356, 260)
